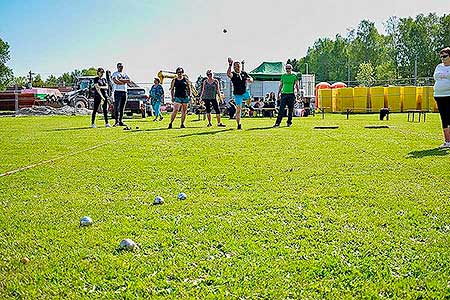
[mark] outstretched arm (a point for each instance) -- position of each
(230, 63)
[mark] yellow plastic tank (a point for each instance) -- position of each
(409, 98)
(376, 98)
(427, 98)
(394, 98)
(335, 107)
(344, 99)
(419, 98)
(360, 97)
(325, 99)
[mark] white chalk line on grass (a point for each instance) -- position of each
(59, 157)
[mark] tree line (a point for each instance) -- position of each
(364, 56)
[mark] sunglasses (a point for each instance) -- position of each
(443, 56)
(209, 74)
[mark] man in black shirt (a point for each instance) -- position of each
(100, 95)
(239, 79)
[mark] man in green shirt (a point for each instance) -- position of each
(288, 83)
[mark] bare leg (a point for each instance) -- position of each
(209, 118)
(218, 119)
(176, 107)
(183, 113)
(447, 134)
(238, 114)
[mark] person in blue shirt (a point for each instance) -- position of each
(156, 98)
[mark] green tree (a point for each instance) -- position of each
(89, 72)
(37, 81)
(366, 74)
(21, 81)
(6, 74)
(51, 81)
(66, 79)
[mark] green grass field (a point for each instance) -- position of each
(271, 213)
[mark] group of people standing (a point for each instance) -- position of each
(180, 90)
(119, 84)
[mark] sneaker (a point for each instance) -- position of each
(239, 127)
(170, 126)
(116, 124)
(107, 126)
(155, 119)
(276, 125)
(182, 126)
(445, 145)
(161, 118)
(93, 126)
(221, 125)
(122, 124)
(289, 124)
(209, 125)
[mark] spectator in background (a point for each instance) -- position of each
(210, 93)
(180, 90)
(120, 80)
(239, 79)
(100, 96)
(286, 92)
(156, 98)
(442, 93)
(231, 108)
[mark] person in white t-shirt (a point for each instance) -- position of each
(120, 80)
(442, 93)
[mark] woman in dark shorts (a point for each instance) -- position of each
(211, 90)
(442, 93)
(180, 90)
(100, 96)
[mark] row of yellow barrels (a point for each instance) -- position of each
(397, 99)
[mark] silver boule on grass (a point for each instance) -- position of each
(86, 221)
(182, 196)
(158, 200)
(128, 245)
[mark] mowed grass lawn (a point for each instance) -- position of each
(271, 213)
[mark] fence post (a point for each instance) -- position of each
(16, 99)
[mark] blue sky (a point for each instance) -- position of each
(52, 37)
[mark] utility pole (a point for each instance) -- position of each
(415, 71)
(348, 75)
(30, 79)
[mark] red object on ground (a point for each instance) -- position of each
(338, 85)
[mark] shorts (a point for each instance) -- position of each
(239, 98)
(182, 100)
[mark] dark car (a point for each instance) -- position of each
(136, 102)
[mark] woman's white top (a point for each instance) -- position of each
(442, 81)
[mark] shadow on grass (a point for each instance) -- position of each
(69, 129)
(205, 133)
(260, 128)
(428, 152)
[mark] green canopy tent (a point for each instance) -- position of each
(269, 71)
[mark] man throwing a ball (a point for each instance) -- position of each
(239, 79)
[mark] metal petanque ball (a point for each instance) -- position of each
(85, 221)
(182, 196)
(128, 244)
(158, 200)
(225, 31)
